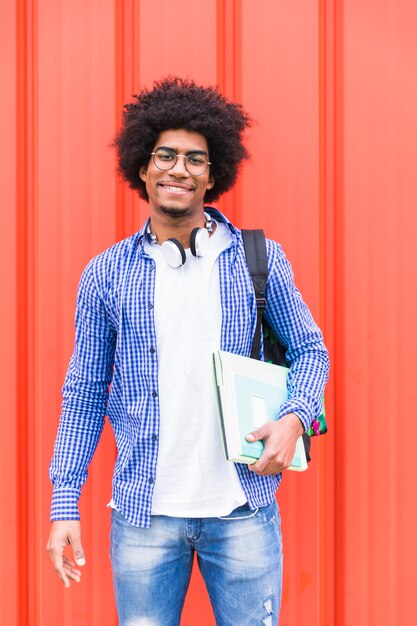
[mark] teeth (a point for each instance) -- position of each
(172, 188)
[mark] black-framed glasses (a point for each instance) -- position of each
(196, 163)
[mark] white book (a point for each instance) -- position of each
(250, 393)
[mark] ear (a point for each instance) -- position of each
(210, 183)
(142, 173)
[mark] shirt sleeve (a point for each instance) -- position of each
(289, 316)
(85, 396)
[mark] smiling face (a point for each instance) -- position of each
(176, 192)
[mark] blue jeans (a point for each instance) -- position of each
(239, 556)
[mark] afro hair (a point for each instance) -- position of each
(176, 103)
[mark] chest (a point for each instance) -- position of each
(216, 294)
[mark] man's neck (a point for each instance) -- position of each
(165, 226)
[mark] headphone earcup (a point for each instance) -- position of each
(173, 252)
(199, 241)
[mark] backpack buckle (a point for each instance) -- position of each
(260, 303)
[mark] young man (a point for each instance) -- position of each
(150, 312)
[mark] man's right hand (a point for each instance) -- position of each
(62, 534)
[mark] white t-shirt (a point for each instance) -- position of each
(193, 478)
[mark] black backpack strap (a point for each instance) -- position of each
(257, 260)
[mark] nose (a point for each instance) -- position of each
(179, 168)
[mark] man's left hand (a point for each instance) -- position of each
(279, 439)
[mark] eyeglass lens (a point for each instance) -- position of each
(195, 163)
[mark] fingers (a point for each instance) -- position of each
(268, 464)
(278, 451)
(260, 433)
(261, 467)
(56, 554)
(71, 571)
(62, 534)
(78, 551)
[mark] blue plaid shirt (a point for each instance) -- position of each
(116, 343)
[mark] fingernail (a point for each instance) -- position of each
(80, 561)
(250, 437)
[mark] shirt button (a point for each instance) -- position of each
(154, 437)
(152, 350)
(150, 306)
(150, 481)
(154, 394)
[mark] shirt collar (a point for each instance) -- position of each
(214, 213)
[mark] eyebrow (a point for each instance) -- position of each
(186, 154)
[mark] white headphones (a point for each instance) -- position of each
(173, 251)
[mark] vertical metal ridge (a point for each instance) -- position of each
(127, 80)
(26, 310)
(220, 43)
(21, 308)
(229, 47)
(119, 91)
(323, 209)
(229, 75)
(34, 415)
(9, 577)
(325, 160)
(237, 92)
(340, 303)
(237, 49)
(326, 87)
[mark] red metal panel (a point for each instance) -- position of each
(331, 87)
(280, 189)
(377, 302)
(76, 198)
(9, 575)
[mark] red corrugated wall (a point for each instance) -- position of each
(332, 85)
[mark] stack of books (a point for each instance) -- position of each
(250, 393)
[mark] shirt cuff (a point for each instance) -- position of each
(301, 409)
(65, 504)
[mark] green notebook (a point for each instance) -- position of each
(249, 393)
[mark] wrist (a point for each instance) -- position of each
(294, 422)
